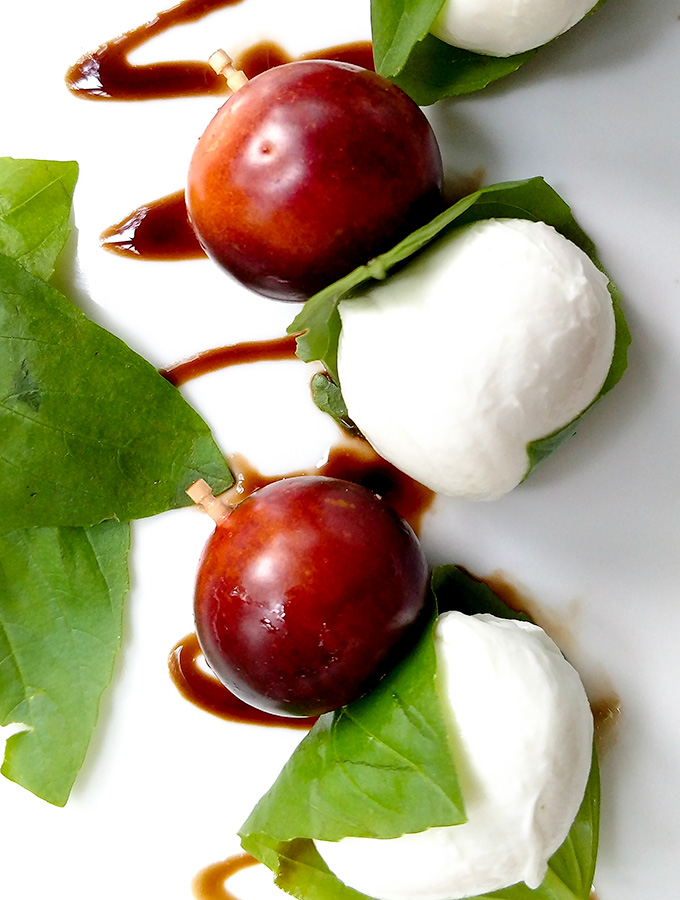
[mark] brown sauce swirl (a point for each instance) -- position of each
(202, 689)
(158, 230)
(231, 355)
(606, 716)
(210, 882)
(106, 73)
(351, 459)
(267, 55)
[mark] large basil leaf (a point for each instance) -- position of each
(435, 70)
(61, 601)
(318, 324)
(88, 429)
(426, 68)
(271, 833)
(35, 208)
(374, 768)
(302, 872)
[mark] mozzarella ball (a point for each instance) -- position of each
(506, 27)
(496, 335)
(521, 733)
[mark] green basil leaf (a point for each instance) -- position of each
(423, 66)
(435, 70)
(319, 325)
(328, 398)
(88, 429)
(302, 872)
(35, 208)
(375, 768)
(273, 833)
(61, 601)
(396, 26)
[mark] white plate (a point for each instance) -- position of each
(592, 538)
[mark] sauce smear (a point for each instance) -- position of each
(231, 355)
(351, 459)
(106, 73)
(210, 884)
(159, 230)
(202, 689)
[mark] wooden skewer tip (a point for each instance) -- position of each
(223, 64)
(202, 495)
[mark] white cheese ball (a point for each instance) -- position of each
(506, 27)
(521, 733)
(497, 335)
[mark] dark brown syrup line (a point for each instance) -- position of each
(267, 55)
(106, 73)
(232, 355)
(158, 230)
(210, 883)
(352, 458)
(207, 693)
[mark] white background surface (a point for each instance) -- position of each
(592, 538)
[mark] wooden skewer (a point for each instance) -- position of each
(202, 495)
(223, 64)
